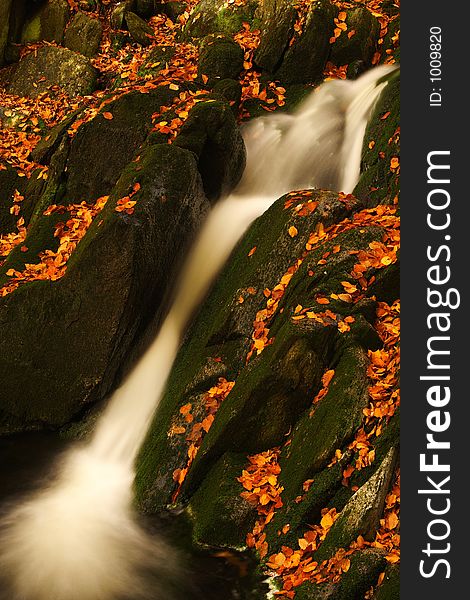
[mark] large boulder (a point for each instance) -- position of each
(64, 342)
(216, 16)
(102, 147)
(305, 59)
(50, 66)
(220, 58)
(211, 132)
(359, 41)
(83, 35)
(277, 19)
(139, 29)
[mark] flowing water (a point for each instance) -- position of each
(77, 538)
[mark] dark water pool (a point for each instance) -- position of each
(26, 461)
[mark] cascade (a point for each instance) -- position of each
(77, 538)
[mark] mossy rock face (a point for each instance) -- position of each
(231, 91)
(277, 28)
(365, 567)
(214, 16)
(51, 65)
(379, 180)
(220, 58)
(81, 329)
(305, 60)
(4, 28)
(362, 513)
(389, 589)
(102, 147)
(221, 517)
(139, 29)
(9, 182)
(333, 422)
(223, 330)
(212, 133)
(363, 44)
(83, 35)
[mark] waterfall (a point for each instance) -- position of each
(77, 538)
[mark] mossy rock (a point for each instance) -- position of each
(9, 182)
(391, 44)
(362, 513)
(83, 35)
(378, 183)
(82, 329)
(221, 517)
(214, 16)
(102, 147)
(277, 19)
(47, 23)
(389, 589)
(363, 572)
(212, 133)
(223, 329)
(4, 28)
(51, 65)
(305, 60)
(231, 91)
(139, 29)
(329, 425)
(220, 58)
(363, 44)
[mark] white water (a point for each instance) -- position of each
(77, 539)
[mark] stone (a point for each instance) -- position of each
(277, 19)
(304, 61)
(48, 23)
(362, 513)
(4, 28)
(215, 16)
(139, 29)
(83, 35)
(211, 132)
(363, 44)
(50, 66)
(378, 183)
(220, 58)
(83, 329)
(219, 514)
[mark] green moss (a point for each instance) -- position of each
(389, 589)
(334, 420)
(211, 16)
(363, 44)
(221, 517)
(32, 30)
(220, 58)
(377, 183)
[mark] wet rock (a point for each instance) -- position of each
(147, 8)
(330, 425)
(379, 180)
(305, 59)
(82, 328)
(211, 132)
(220, 515)
(83, 35)
(231, 90)
(277, 28)
(215, 16)
(389, 589)
(102, 147)
(139, 29)
(220, 58)
(365, 567)
(9, 182)
(362, 513)
(49, 66)
(223, 330)
(360, 46)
